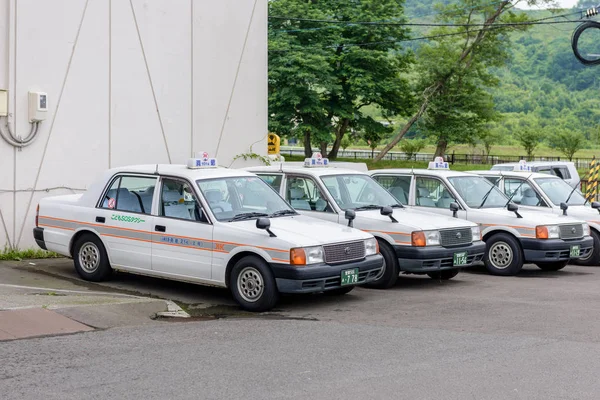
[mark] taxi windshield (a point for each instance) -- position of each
(242, 197)
(559, 191)
(358, 192)
(478, 192)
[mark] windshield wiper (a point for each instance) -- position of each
(571, 194)
(248, 215)
(397, 205)
(485, 197)
(368, 207)
(283, 212)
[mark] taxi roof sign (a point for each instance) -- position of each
(317, 160)
(202, 160)
(523, 166)
(438, 163)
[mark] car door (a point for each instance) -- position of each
(433, 195)
(397, 185)
(306, 196)
(124, 221)
(182, 244)
(522, 193)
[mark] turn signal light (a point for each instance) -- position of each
(297, 256)
(418, 239)
(541, 232)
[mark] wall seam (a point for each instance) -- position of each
(109, 83)
(162, 129)
(14, 235)
(237, 73)
(50, 130)
(192, 78)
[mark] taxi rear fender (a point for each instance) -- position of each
(82, 231)
(241, 252)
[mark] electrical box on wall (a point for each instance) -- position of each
(38, 106)
(3, 103)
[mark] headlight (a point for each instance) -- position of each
(371, 247)
(425, 238)
(306, 255)
(547, 232)
(476, 233)
(586, 230)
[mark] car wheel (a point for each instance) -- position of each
(594, 257)
(552, 266)
(389, 273)
(503, 255)
(444, 275)
(90, 258)
(339, 291)
(252, 284)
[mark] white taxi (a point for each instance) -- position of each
(206, 225)
(543, 192)
(512, 236)
(410, 241)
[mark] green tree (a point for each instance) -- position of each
(412, 146)
(489, 139)
(321, 76)
(529, 139)
(568, 143)
(457, 65)
(346, 142)
(373, 138)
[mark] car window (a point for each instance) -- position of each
(398, 185)
(543, 170)
(229, 198)
(130, 194)
(522, 192)
(304, 194)
(562, 172)
(478, 192)
(560, 191)
(273, 179)
(177, 200)
(358, 191)
(493, 179)
(431, 192)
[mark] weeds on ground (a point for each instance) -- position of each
(18, 255)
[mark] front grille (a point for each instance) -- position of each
(571, 231)
(338, 253)
(456, 237)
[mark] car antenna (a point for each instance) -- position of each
(156, 172)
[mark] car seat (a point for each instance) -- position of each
(445, 200)
(529, 198)
(297, 199)
(126, 201)
(174, 206)
(399, 194)
(146, 196)
(215, 199)
(423, 198)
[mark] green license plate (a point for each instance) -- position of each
(460, 259)
(575, 251)
(350, 276)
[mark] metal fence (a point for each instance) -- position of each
(452, 158)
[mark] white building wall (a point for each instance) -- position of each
(128, 82)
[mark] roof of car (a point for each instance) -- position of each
(537, 163)
(180, 170)
(421, 171)
(313, 171)
(520, 174)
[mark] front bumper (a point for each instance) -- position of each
(323, 277)
(430, 259)
(38, 235)
(549, 250)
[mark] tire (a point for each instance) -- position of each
(252, 284)
(90, 258)
(594, 258)
(552, 266)
(388, 277)
(503, 255)
(444, 275)
(339, 291)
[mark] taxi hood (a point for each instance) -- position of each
(300, 231)
(584, 213)
(532, 217)
(408, 217)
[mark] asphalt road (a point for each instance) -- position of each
(535, 336)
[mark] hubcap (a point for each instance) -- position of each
(500, 255)
(89, 257)
(250, 284)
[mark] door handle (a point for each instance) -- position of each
(160, 228)
(101, 219)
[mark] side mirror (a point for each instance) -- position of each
(512, 207)
(454, 208)
(350, 215)
(596, 205)
(388, 211)
(265, 223)
(564, 207)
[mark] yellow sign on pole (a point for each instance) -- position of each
(273, 143)
(591, 193)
